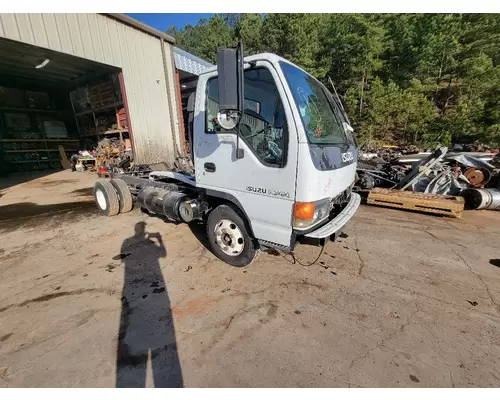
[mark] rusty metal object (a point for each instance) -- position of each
(477, 177)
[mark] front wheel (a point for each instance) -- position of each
(229, 237)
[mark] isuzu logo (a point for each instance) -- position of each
(346, 157)
(270, 192)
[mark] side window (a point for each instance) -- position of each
(263, 125)
(252, 105)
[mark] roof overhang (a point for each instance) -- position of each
(187, 62)
(142, 27)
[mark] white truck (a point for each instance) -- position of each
(274, 161)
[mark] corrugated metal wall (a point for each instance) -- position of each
(149, 85)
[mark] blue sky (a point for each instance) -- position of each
(163, 21)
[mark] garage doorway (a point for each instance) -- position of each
(53, 105)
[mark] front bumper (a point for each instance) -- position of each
(339, 221)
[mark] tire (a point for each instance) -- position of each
(124, 195)
(231, 231)
(106, 198)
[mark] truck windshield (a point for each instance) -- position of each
(322, 119)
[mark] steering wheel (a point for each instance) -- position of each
(257, 133)
(274, 149)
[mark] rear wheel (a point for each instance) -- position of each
(106, 198)
(124, 195)
(229, 238)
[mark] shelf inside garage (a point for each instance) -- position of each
(46, 107)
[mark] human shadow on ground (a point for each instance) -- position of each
(146, 324)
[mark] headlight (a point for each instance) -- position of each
(309, 213)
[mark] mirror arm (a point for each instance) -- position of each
(241, 99)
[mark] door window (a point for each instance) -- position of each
(263, 125)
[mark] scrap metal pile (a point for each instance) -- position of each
(112, 155)
(440, 175)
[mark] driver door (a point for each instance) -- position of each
(262, 183)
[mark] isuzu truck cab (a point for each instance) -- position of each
(274, 160)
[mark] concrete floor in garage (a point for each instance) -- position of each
(402, 299)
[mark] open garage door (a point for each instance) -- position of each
(52, 105)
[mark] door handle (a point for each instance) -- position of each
(209, 167)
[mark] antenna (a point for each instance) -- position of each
(339, 101)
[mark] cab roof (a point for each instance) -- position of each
(271, 57)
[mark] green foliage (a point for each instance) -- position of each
(204, 38)
(248, 28)
(405, 78)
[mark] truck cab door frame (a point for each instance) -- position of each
(265, 193)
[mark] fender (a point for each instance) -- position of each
(234, 200)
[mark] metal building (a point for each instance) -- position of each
(83, 45)
(189, 63)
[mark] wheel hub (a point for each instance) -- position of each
(229, 237)
(101, 200)
(226, 239)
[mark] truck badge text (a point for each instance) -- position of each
(270, 192)
(346, 157)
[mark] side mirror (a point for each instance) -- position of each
(231, 97)
(227, 71)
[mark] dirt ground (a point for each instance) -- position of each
(402, 299)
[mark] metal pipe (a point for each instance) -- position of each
(482, 199)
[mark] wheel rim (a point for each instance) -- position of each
(101, 200)
(229, 237)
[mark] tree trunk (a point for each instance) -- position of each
(362, 91)
(449, 97)
(439, 79)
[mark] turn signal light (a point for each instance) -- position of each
(304, 211)
(307, 214)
